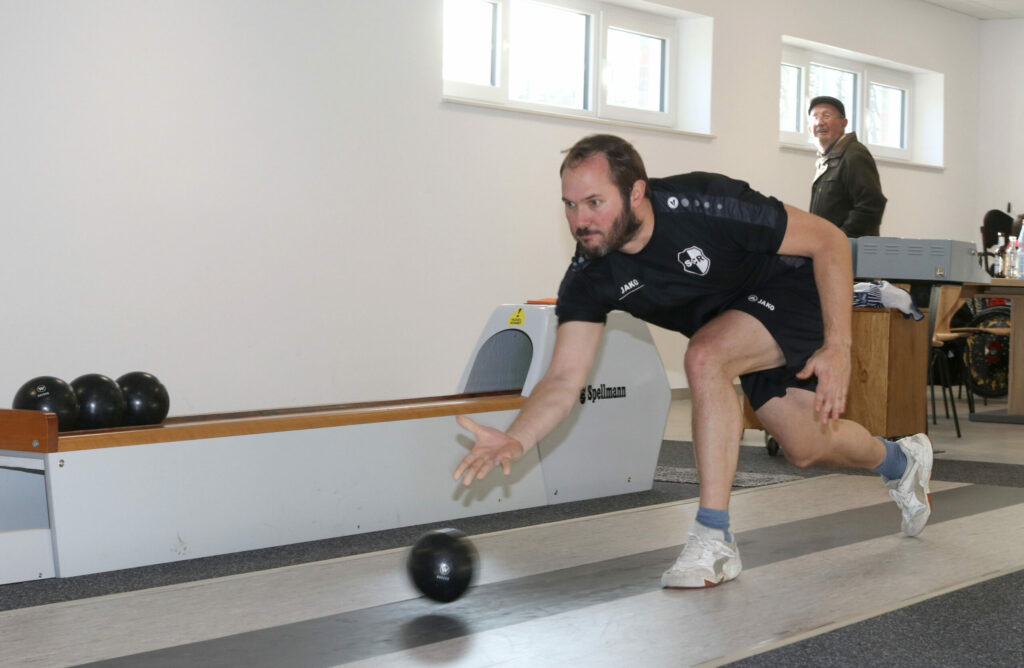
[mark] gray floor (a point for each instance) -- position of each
(828, 580)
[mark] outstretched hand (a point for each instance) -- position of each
(492, 448)
(832, 367)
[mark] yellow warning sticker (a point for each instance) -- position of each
(517, 318)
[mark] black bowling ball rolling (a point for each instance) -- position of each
(100, 402)
(442, 564)
(50, 395)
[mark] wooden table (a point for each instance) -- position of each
(1007, 288)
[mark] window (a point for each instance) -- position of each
(577, 57)
(895, 109)
(834, 82)
(549, 56)
(887, 116)
(791, 115)
(636, 66)
(470, 42)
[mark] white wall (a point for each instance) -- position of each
(266, 203)
(1000, 110)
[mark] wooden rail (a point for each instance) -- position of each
(33, 431)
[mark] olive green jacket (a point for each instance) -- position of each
(846, 189)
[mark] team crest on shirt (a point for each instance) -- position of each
(694, 261)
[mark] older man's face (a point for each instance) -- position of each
(826, 125)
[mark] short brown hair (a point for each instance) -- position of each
(625, 165)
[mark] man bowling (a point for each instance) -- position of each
(762, 290)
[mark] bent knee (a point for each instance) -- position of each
(702, 360)
(801, 462)
(800, 457)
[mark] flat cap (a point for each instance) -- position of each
(827, 99)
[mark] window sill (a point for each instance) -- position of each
(800, 148)
(573, 117)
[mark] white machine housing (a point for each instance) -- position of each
(610, 442)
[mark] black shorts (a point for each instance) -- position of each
(790, 310)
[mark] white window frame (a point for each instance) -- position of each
(648, 25)
(895, 79)
(853, 111)
(493, 94)
(867, 73)
(786, 136)
(802, 77)
(688, 114)
(592, 10)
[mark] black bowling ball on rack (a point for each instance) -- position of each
(100, 402)
(50, 395)
(146, 400)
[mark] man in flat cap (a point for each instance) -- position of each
(846, 189)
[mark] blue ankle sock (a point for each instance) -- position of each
(715, 519)
(895, 462)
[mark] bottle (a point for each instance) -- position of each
(1020, 258)
(1010, 259)
(999, 250)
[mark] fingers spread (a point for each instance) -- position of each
(474, 472)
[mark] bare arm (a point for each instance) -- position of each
(550, 401)
(810, 236)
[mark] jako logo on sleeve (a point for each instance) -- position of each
(629, 288)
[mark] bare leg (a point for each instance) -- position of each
(793, 423)
(844, 443)
(732, 344)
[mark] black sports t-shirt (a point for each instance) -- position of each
(714, 241)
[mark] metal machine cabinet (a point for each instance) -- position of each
(931, 260)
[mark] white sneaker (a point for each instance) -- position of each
(911, 492)
(707, 560)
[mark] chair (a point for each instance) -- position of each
(994, 223)
(943, 338)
